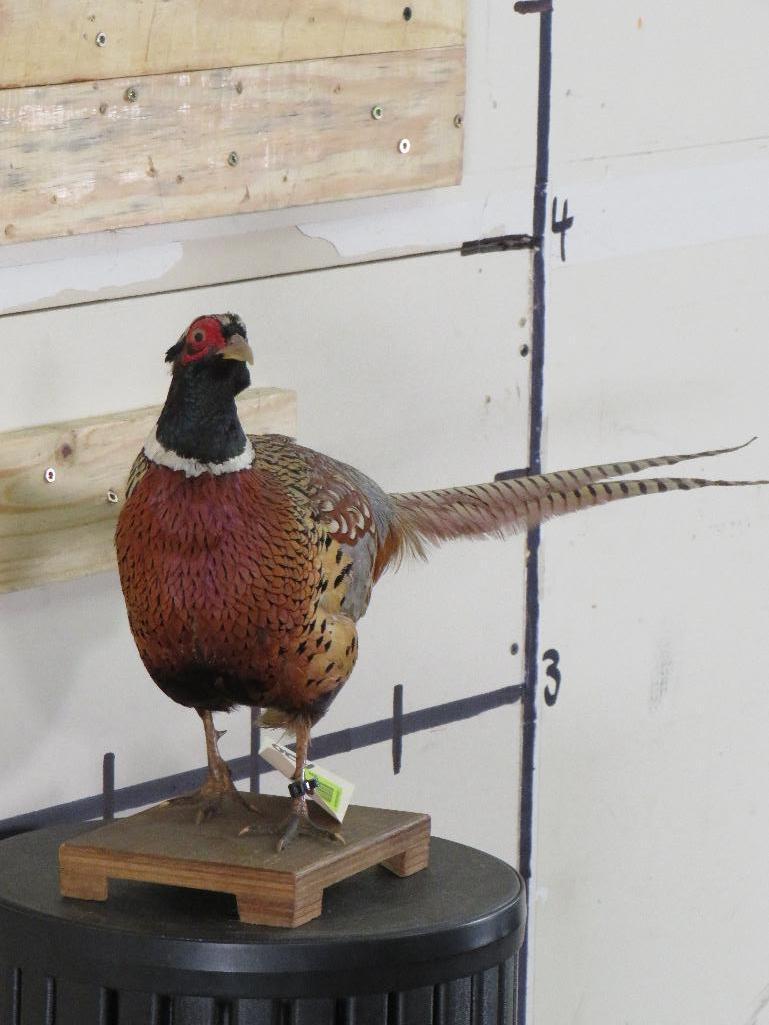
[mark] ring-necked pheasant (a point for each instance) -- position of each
(246, 561)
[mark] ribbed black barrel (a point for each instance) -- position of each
(437, 948)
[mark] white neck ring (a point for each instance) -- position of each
(158, 453)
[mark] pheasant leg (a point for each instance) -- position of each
(298, 821)
(218, 794)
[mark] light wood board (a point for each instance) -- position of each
(165, 845)
(54, 531)
(56, 41)
(82, 157)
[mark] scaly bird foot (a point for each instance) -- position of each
(297, 823)
(214, 798)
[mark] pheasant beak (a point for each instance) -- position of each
(237, 348)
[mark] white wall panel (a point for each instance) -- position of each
(647, 203)
(639, 77)
(652, 890)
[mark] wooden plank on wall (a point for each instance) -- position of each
(84, 157)
(59, 41)
(64, 528)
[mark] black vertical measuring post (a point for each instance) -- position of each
(253, 758)
(108, 786)
(397, 728)
(531, 640)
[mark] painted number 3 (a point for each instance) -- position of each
(552, 656)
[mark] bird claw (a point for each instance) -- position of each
(296, 823)
(300, 824)
(212, 800)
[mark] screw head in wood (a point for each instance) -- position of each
(233, 159)
(130, 94)
(50, 475)
(458, 120)
(404, 146)
(377, 112)
(101, 39)
(112, 496)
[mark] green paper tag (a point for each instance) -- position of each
(330, 792)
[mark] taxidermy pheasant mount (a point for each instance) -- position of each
(246, 561)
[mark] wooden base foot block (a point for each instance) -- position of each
(258, 911)
(165, 845)
(412, 860)
(87, 884)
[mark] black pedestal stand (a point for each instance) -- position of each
(437, 948)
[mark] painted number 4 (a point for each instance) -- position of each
(552, 656)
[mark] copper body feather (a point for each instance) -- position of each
(236, 584)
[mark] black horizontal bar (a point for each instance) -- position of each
(352, 739)
(498, 244)
(525, 471)
(533, 6)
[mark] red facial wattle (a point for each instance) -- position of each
(204, 336)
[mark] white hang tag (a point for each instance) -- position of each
(332, 792)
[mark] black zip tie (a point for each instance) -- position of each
(298, 787)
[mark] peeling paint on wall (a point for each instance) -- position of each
(31, 282)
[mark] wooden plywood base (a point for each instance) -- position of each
(155, 36)
(127, 152)
(165, 845)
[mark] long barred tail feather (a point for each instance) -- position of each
(541, 483)
(508, 506)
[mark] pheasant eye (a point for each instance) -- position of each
(203, 337)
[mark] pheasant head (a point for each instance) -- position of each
(199, 425)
